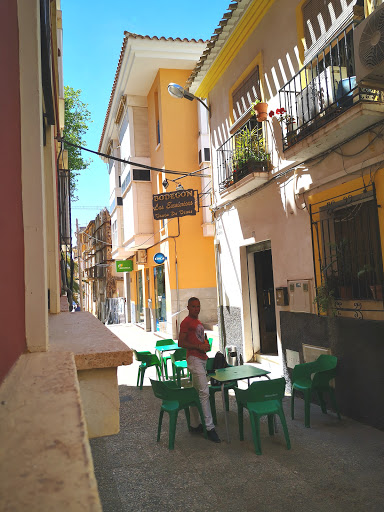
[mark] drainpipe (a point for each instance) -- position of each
(79, 268)
(177, 278)
(220, 295)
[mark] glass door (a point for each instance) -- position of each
(139, 297)
(160, 299)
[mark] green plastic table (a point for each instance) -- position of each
(224, 375)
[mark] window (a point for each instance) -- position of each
(246, 93)
(141, 175)
(322, 19)
(111, 162)
(347, 247)
(243, 153)
(114, 233)
(121, 108)
(123, 127)
(207, 155)
(126, 182)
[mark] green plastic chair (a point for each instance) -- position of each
(314, 376)
(164, 358)
(263, 398)
(147, 360)
(174, 400)
(179, 364)
(215, 389)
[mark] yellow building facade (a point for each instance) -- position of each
(147, 127)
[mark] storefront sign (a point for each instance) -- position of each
(124, 265)
(159, 258)
(180, 203)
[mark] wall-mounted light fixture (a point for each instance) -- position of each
(177, 91)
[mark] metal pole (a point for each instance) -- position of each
(79, 267)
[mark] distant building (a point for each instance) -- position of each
(100, 279)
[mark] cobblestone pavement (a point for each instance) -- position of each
(333, 466)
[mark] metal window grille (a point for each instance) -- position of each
(322, 90)
(346, 245)
(243, 153)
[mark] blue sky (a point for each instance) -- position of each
(93, 35)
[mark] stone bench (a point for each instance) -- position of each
(97, 353)
(46, 462)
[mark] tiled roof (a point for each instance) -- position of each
(213, 41)
(128, 35)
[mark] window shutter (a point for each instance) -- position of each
(320, 15)
(247, 92)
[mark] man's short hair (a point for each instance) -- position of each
(192, 299)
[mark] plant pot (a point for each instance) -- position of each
(345, 292)
(261, 110)
(377, 291)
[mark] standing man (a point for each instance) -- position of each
(191, 337)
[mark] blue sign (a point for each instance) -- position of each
(159, 258)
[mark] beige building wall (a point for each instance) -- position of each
(34, 207)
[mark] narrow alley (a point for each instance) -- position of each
(334, 462)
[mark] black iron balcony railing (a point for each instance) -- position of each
(243, 153)
(322, 90)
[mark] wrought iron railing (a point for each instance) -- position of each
(243, 153)
(346, 246)
(322, 90)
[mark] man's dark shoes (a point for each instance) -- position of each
(196, 430)
(212, 436)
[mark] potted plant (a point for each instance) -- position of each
(325, 300)
(285, 119)
(260, 109)
(249, 154)
(372, 274)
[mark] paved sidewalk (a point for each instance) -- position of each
(333, 466)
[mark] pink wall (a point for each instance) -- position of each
(12, 306)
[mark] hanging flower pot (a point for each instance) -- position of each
(261, 110)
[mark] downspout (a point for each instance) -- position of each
(220, 295)
(177, 278)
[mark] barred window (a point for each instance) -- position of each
(347, 247)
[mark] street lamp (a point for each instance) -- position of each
(177, 91)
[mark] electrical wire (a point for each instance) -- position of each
(154, 234)
(143, 166)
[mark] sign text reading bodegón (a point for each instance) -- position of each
(175, 204)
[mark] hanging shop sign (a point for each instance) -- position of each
(159, 258)
(180, 203)
(124, 265)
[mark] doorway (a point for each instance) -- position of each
(262, 298)
(160, 298)
(139, 298)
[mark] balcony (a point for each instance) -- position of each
(324, 105)
(243, 154)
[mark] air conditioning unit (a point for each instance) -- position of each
(319, 94)
(368, 40)
(141, 257)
